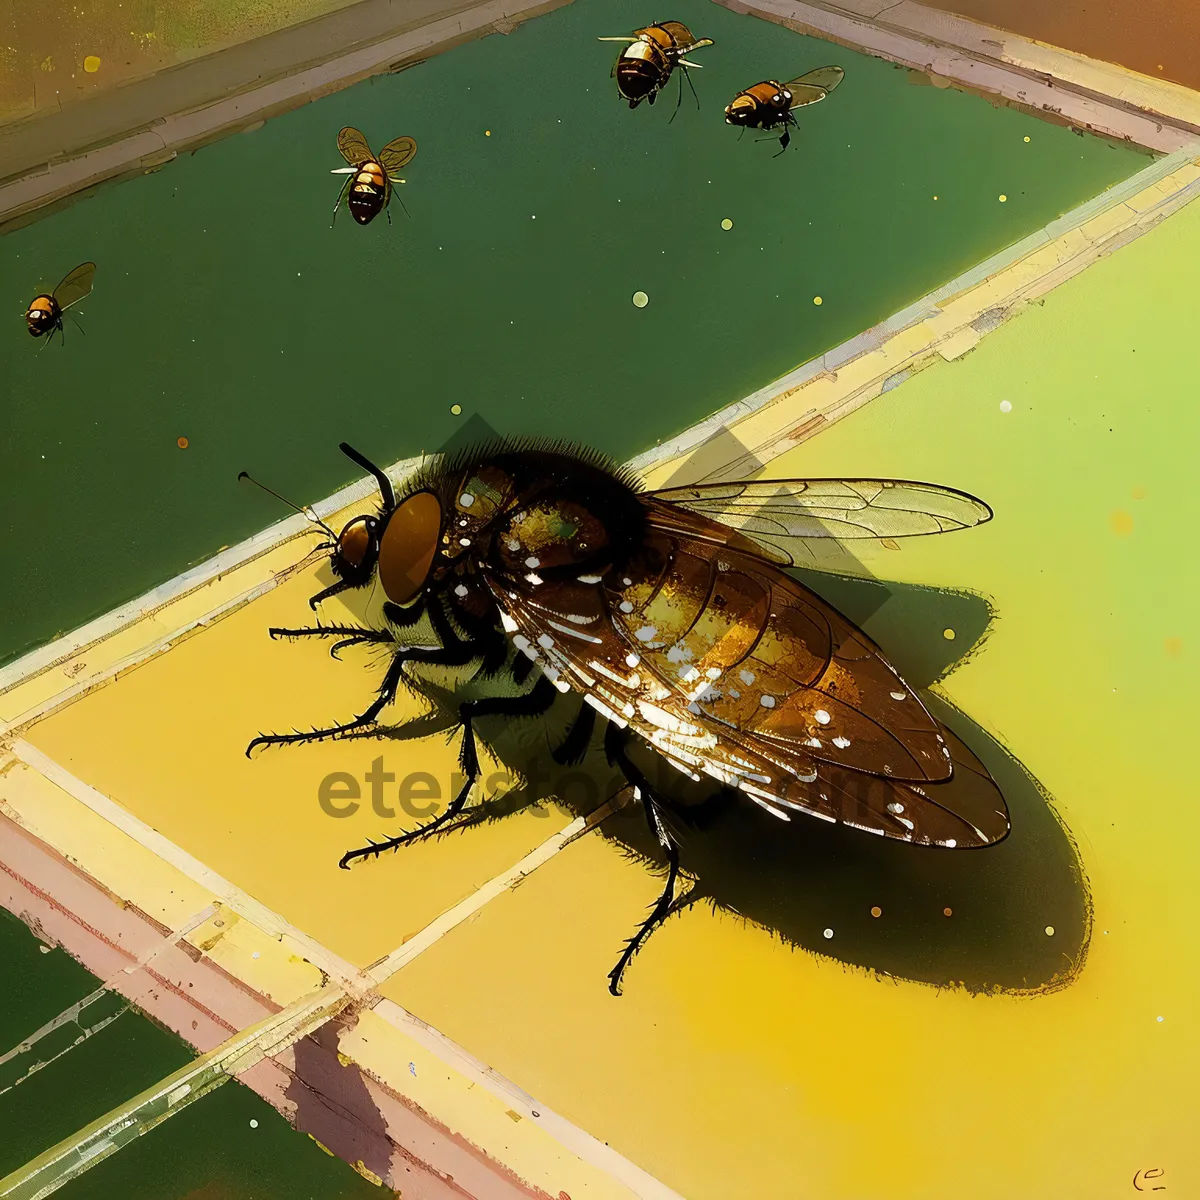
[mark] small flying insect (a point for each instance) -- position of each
(644, 67)
(371, 176)
(45, 314)
(769, 104)
(669, 613)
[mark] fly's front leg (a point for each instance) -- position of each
(350, 635)
(437, 655)
(614, 744)
(533, 703)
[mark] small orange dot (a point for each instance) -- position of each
(948, 912)
(182, 443)
(876, 911)
(1120, 522)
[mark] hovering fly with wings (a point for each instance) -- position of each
(644, 67)
(371, 176)
(670, 614)
(769, 104)
(45, 313)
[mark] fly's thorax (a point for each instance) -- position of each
(42, 315)
(370, 174)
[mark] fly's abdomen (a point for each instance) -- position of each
(367, 192)
(641, 71)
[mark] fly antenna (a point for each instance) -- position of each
(385, 484)
(304, 512)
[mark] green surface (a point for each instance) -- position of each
(212, 1152)
(36, 981)
(227, 312)
(209, 1151)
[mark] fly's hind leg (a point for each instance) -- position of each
(784, 142)
(614, 745)
(532, 703)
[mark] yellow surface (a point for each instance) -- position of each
(179, 765)
(734, 1065)
(482, 1118)
(118, 863)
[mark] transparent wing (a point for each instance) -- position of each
(353, 146)
(76, 285)
(781, 514)
(397, 153)
(825, 79)
(805, 93)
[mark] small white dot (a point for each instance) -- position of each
(254, 955)
(1158, 1018)
(822, 717)
(767, 701)
(1006, 406)
(632, 660)
(253, 1123)
(626, 607)
(532, 562)
(464, 541)
(460, 590)
(512, 545)
(466, 499)
(829, 933)
(1049, 930)
(899, 696)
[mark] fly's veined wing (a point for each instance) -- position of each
(805, 93)
(353, 146)
(825, 78)
(76, 285)
(781, 514)
(397, 153)
(732, 669)
(683, 37)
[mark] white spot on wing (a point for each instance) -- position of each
(822, 717)
(578, 634)
(507, 623)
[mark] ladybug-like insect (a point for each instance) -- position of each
(671, 615)
(371, 176)
(769, 104)
(644, 67)
(45, 313)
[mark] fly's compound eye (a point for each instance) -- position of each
(357, 550)
(408, 546)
